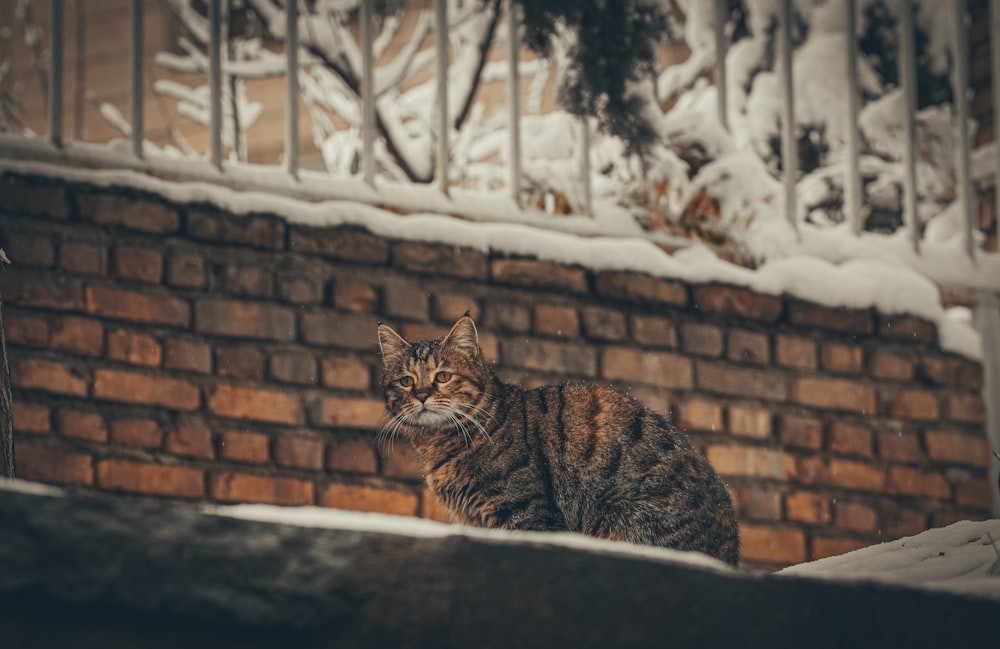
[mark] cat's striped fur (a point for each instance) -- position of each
(583, 458)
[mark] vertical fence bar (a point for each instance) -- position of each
(960, 95)
(215, 81)
(137, 89)
(721, 48)
(789, 146)
(441, 43)
(56, 75)
(514, 99)
(987, 321)
(852, 174)
(368, 91)
(995, 79)
(588, 194)
(908, 81)
(292, 87)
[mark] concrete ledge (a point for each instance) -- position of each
(105, 571)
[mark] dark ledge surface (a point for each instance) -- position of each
(88, 570)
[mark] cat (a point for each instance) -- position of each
(583, 458)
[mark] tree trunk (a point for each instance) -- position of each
(6, 403)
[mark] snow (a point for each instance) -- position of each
(959, 558)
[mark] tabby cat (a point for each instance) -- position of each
(582, 458)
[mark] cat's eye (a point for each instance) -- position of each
(406, 382)
(442, 377)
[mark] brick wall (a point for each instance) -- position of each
(180, 351)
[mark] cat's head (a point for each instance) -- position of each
(433, 383)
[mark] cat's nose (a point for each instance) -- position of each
(422, 395)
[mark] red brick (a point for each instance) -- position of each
(904, 327)
(294, 367)
(146, 389)
(352, 455)
(353, 331)
(770, 545)
(654, 331)
(914, 482)
(369, 499)
(758, 504)
(701, 339)
(736, 301)
(44, 464)
(355, 295)
(135, 348)
(30, 249)
(808, 507)
(635, 287)
(749, 347)
(348, 243)
(958, 448)
(663, 369)
(239, 361)
(795, 351)
(82, 425)
(432, 509)
(139, 264)
(143, 214)
(555, 320)
(850, 439)
(887, 365)
(405, 299)
(750, 461)
(42, 289)
(439, 259)
(832, 546)
(899, 446)
(189, 355)
(24, 329)
(906, 522)
(545, 355)
(159, 479)
(253, 230)
(84, 258)
(298, 452)
(700, 414)
(245, 447)
(834, 394)
(840, 473)
(400, 461)
(300, 290)
(750, 421)
(252, 281)
(912, 404)
(186, 270)
(856, 517)
(25, 196)
(600, 323)
(138, 306)
(244, 319)
(838, 357)
(951, 371)
(741, 381)
(350, 412)
(30, 418)
(967, 408)
(507, 316)
(78, 335)
(975, 493)
(257, 404)
(855, 321)
(191, 440)
(449, 307)
(345, 373)
(801, 432)
(48, 376)
(228, 486)
(140, 433)
(535, 273)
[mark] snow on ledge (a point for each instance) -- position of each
(886, 282)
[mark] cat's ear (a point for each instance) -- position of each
(463, 335)
(393, 345)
